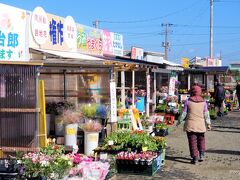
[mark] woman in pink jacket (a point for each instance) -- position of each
(197, 116)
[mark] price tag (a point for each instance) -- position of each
(70, 131)
(110, 142)
(144, 149)
(103, 156)
(92, 137)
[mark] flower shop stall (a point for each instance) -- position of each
(135, 151)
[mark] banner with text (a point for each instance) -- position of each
(112, 43)
(89, 40)
(52, 32)
(13, 44)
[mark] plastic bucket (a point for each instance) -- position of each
(59, 127)
(90, 142)
(71, 134)
(140, 104)
(48, 121)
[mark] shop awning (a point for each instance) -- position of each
(209, 69)
(52, 57)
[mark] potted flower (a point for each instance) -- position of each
(71, 119)
(61, 107)
(91, 135)
(146, 123)
(48, 163)
(161, 129)
(89, 111)
(162, 144)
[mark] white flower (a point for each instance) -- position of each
(44, 163)
(19, 161)
(52, 175)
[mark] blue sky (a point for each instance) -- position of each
(140, 22)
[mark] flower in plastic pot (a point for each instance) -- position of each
(91, 126)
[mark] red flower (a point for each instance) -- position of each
(56, 147)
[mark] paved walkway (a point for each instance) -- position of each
(222, 156)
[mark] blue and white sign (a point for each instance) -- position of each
(13, 23)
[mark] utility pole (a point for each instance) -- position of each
(165, 44)
(96, 23)
(211, 29)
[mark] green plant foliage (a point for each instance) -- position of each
(161, 126)
(89, 110)
(124, 139)
(161, 108)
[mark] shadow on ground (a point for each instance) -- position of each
(226, 127)
(219, 130)
(222, 151)
(178, 159)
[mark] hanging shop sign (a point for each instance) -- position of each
(12, 34)
(137, 53)
(112, 43)
(89, 40)
(52, 32)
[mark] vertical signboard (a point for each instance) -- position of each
(70, 33)
(185, 63)
(107, 43)
(89, 40)
(12, 34)
(112, 43)
(117, 44)
(137, 53)
(172, 85)
(113, 101)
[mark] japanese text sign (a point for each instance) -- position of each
(89, 40)
(12, 34)
(171, 91)
(52, 32)
(112, 43)
(137, 53)
(113, 102)
(39, 25)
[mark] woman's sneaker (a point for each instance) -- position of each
(201, 157)
(194, 161)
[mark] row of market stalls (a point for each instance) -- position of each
(46, 58)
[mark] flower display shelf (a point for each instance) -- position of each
(124, 124)
(163, 154)
(129, 167)
(8, 169)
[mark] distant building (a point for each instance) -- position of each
(198, 61)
